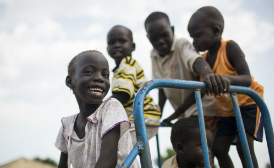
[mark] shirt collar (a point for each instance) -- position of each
(155, 53)
(117, 66)
(92, 118)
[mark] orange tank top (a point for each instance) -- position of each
(223, 67)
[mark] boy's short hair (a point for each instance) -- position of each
(71, 68)
(182, 128)
(130, 32)
(156, 16)
(212, 15)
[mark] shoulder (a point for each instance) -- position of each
(181, 42)
(183, 45)
(233, 49)
(129, 61)
(114, 110)
(170, 163)
(231, 45)
(68, 120)
(67, 124)
(111, 103)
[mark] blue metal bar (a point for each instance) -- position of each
(241, 129)
(138, 148)
(202, 127)
(158, 151)
(191, 85)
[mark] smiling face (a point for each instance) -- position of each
(120, 43)
(204, 36)
(90, 81)
(193, 148)
(160, 35)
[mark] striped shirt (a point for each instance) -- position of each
(129, 77)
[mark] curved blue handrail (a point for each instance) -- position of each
(140, 126)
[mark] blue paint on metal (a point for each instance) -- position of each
(139, 121)
(138, 148)
(202, 127)
(164, 124)
(158, 151)
(241, 129)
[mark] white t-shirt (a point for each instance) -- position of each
(178, 64)
(85, 152)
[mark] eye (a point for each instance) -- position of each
(111, 42)
(88, 72)
(153, 38)
(165, 34)
(198, 35)
(122, 41)
(105, 75)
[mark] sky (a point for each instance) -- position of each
(39, 38)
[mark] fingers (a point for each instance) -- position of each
(227, 81)
(225, 84)
(214, 85)
(208, 84)
(220, 84)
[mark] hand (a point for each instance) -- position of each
(216, 84)
(167, 121)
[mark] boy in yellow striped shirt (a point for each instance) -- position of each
(128, 78)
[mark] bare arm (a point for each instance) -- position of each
(63, 160)
(108, 153)
(123, 97)
(215, 82)
(237, 60)
(162, 99)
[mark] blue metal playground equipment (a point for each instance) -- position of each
(142, 145)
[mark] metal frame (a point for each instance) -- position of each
(142, 145)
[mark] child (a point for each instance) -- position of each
(227, 59)
(128, 78)
(98, 136)
(177, 59)
(186, 141)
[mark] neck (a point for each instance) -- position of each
(118, 62)
(182, 163)
(87, 109)
(215, 48)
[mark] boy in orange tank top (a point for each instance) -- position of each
(227, 59)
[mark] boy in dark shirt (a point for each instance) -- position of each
(186, 141)
(227, 59)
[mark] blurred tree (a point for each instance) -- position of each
(268, 165)
(46, 161)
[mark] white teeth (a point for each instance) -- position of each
(97, 93)
(96, 90)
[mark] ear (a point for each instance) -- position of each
(172, 28)
(180, 148)
(216, 30)
(69, 82)
(133, 47)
